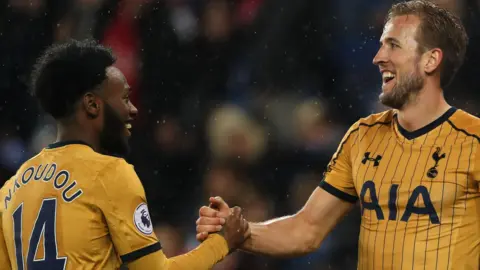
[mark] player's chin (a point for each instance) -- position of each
(127, 133)
(118, 146)
(125, 145)
(388, 87)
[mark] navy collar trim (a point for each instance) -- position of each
(410, 135)
(65, 143)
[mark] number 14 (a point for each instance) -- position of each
(44, 225)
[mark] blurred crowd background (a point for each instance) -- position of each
(246, 99)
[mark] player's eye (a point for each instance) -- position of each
(394, 45)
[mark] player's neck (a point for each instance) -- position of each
(424, 109)
(74, 132)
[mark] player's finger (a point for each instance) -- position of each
(219, 203)
(210, 221)
(207, 212)
(208, 228)
(236, 212)
(202, 236)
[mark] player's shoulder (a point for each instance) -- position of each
(105, 165)
(6, 186)
(105, 161)
(465, 122)
(79, 154)
(75, 157)
(381, 118)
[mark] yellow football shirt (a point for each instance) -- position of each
(419, 191)
(72, 208)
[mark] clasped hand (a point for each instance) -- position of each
(218, 217)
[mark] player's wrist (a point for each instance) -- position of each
(220, 240)
(247, 244)
(230, 248)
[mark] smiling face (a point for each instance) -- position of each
(118, 114)
(399, 61)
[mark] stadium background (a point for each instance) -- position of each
(247, 99)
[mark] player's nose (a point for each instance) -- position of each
(380, 57)
(133, 110)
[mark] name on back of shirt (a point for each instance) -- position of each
(61, 180)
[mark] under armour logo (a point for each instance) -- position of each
(376, 160)
(432, 172)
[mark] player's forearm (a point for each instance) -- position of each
(205, 256)
(283, 237)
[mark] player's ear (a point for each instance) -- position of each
(91, 105)
(433, 59)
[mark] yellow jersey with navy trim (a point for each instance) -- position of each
(418, 191)
(72, 208)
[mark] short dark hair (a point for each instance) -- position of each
(439, 28)
(66, 71)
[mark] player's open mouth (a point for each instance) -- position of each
(128, 126)
(387, 77)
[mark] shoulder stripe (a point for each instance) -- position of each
(137, 254)
(351, 132)
(463, 131)
(338, 193)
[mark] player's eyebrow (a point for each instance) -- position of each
(390, 40)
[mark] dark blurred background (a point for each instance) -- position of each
(246, 99)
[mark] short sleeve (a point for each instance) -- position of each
(338, 177)
(125, 208)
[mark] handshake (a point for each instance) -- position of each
(220, 218)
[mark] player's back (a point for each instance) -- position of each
(53, 210)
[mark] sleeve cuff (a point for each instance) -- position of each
(137, 254)
(338, 193)
(220, 242)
